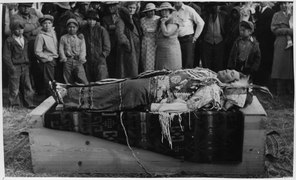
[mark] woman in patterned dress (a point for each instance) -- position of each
(149, 26)
(168, 50)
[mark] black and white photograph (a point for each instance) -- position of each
(147, 89)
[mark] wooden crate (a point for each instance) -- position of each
(70, 152)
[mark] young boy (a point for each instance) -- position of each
(46, 50)
(245, 55)
(15, 57)
(73, 53)
(97, 48)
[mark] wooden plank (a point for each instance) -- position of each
(68, 152)
(255, 108)
(37, 114)
(254, 122)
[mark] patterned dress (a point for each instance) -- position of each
(149, 26)
(168, 50)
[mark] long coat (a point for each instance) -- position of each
(266, 40)
(282, 67)
(129, 46)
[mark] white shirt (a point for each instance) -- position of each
(20, 40)
(189, 16)
(263, 9)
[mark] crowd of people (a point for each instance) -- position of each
(83, 42)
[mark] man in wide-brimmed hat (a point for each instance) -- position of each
(187, 34)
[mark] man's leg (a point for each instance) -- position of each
(48, 73)
(207, 55)
(80, 74)
(218, 56)
(27, 87)
(13, 86)
(187, 49)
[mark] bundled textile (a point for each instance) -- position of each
(163, 92)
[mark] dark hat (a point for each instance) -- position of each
(247, 25)
(25, 4)
(72, 20)
(16, 25)
(64, 5)
(91, 14)
(46, 17)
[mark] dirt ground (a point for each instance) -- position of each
(280, 111)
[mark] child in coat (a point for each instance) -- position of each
(245, 55)
(73, 54)
(15, 57)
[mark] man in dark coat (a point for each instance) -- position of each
(266, 39)
(213, 36)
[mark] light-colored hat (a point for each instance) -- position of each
(72, 20)
(149, 7)
(64, 5)
(166, 5)
(46, 17)
(111, 2)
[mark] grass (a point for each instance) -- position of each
(17, 156)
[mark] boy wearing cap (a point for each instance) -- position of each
(72, 52)
(245, 55)
(98, 48)
(46, 50)
(15, 57)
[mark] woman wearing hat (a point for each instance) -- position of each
(149, 26)
(168, 50)
(282, 67)
(129, 35)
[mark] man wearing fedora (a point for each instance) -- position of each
(187, 34)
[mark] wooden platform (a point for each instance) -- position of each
(69, 152)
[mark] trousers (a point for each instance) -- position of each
(20, 84)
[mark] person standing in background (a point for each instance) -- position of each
(266, 43)
(97, 48)
(231, 32)
(187, 34)
(15, 58)
(72, 52)
(109, 23)
(245, 54)
(31, 29)
(46, 50)
(168, 50)
(128, 32)
(213, 37)
(149, 25)
(282, 67)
